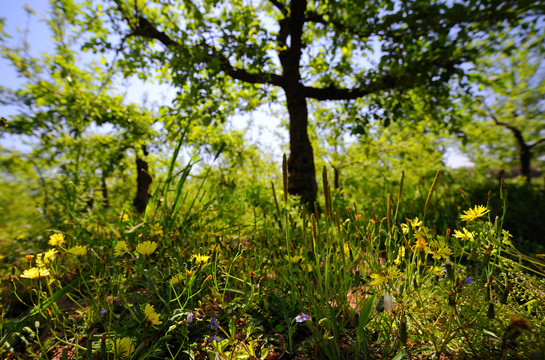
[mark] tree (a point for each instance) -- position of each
(510, 109)
(62, 104)
(240, 53)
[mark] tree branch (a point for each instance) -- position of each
(280, 6)
(334, 93)
(147, 30)
(537, 143)
(521, 143)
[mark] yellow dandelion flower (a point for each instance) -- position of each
(157, 230)
(200, 259)
(50, 254)
(56, 239)
(146, 248)
(43, 259)
(400, 256)
(35, 272)
(438, 250)
(152, 318)
(415, 223)
(465, 234)
(405, 228)
(120, 247)
(176, 278)
(421, 244)
(422, 232)
(437, 271)
(294, 259)
(123, 347)
(391, 273)
(475, 213)
(78, 250)
(124, 217)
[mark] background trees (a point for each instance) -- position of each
(353, 79)
(244, 53)
(80, 132)
(507, 128)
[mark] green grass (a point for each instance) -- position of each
(282, 283)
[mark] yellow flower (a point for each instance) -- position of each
(43, 259)
(124, 217)
(421, 244)
(200, 259)
(176, 278)
(476, 212)
(123, 347)
(412, 224)
(56, 239)
(35, 272)
(422, 232)
(152, 318)
(416, 222)
(294, 259)
(157, 230)
(438, 250)
(391, 273)
(120, 248)
(146, 248)
(436, 271)
(465, 234)
(400, 256)
(78, 250)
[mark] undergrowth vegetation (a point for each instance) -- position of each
(343, 282)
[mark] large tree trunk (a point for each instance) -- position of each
(301, 169)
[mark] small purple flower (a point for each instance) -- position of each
(103, 312)
(189, 318)
(302, 318)
(469, 281)
(214, 324)
(213, 338)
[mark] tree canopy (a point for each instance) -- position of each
(231, 56)
(506, 129)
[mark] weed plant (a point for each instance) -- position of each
(336, 283)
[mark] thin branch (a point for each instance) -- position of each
(148, 30)
(280, 6)
(537, 143)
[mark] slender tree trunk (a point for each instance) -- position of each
(525, 154)
(525, 157)
(143, 182)
(104, 188)
(525, 150)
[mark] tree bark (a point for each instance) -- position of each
(143, 182)
(525, 156)
(524, 150)
(301, 169)
(104, 188)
